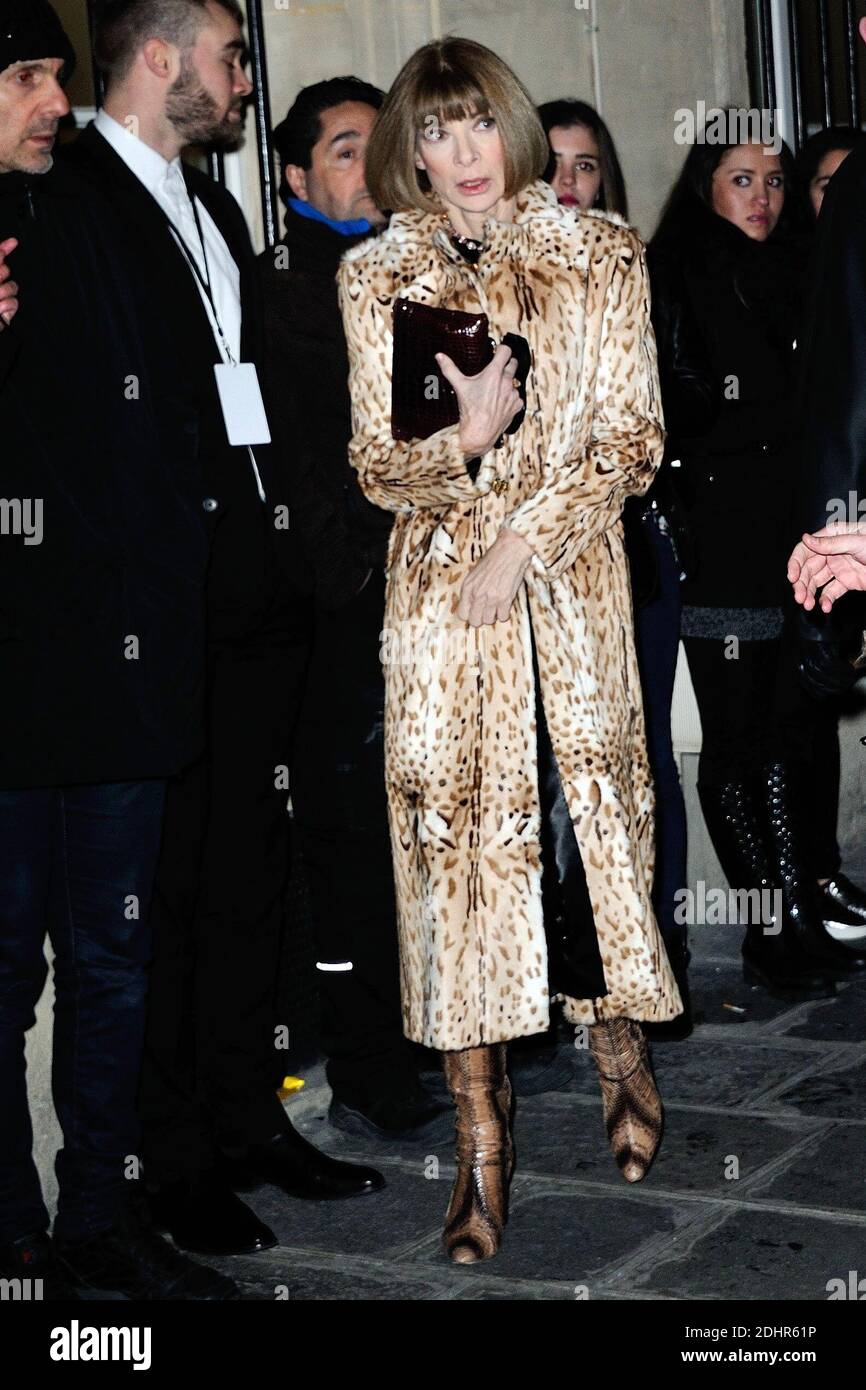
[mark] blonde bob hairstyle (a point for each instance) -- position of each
(450, 79)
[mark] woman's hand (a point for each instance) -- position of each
(832, 560)
(490, 588)
(488, 402)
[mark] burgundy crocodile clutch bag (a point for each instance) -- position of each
(422, 401)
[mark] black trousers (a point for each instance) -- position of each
(211, 1064)
(341, 817)
(574, 964)
(753, 710)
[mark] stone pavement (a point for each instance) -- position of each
(758, 1191)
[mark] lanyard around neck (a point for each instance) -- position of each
(203, 279)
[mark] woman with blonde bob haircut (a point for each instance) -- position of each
(519, 794)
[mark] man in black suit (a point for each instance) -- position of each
(102, 566)
(174, 72)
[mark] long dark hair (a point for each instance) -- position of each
(693, 190)
(766, 276)
(567, 112)
(835, 137)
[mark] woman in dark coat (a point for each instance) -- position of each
(725, 228)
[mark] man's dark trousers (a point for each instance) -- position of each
(341, 813)
(210, 1064)
(78, 863)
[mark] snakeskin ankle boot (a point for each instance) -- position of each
(632, 1105)
(478, 1210)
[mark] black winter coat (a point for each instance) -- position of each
(833, 374)
(102, 621)
(832, 394)
(247, 548)
(690, 406)
(337, 535)
(737, 472)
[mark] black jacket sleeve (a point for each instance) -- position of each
(690, 406)
(685, 374)
(832, 464)
(9, 344)
(338, 536)
(833, 382)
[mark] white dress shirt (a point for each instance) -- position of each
(165, 182)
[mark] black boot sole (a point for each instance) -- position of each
(210, 1250)
(246, 1183)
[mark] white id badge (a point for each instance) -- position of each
(241, 400)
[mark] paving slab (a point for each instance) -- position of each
(829, 1172)
(380, 1224)
(707, 1070)
(282, 1276)
(779, 1087)
(702, 1152)
(720, 995)
(569, 1237)
(770, 1255)
(839, 1020)
(839, 1093)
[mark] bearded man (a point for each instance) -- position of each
(174, 75)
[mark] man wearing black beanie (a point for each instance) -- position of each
(102, 562)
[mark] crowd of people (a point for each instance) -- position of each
(231, 524)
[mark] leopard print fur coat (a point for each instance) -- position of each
(460, 742)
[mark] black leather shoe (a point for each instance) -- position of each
(842, 903)
(782, 968)
(415, 1115)
(133, 1261)
(290, 1162)
(31, 1262)
(204, 1215)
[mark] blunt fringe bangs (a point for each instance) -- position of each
(450, 79)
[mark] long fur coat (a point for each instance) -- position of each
(460, 737)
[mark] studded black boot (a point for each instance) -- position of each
(772, 954)
(800, 891)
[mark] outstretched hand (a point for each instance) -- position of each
(832, 560)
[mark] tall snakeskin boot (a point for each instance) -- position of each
(632, 1105)
(478, 1210)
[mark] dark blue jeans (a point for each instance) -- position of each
(77, 863)
(657, 635)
